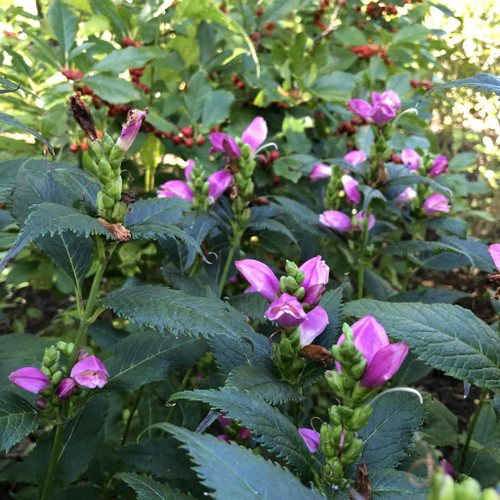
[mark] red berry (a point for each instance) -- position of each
(168, 135)
(176, 139)
(189, 142)
(235, 79)
(259, 12)
(274, 155)
(200, 141)
(256, 36)
(137, 44)
(187, 131)
(73, 148)
(240, 85)
(126, 41)
(276, 180)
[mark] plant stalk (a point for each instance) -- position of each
(54, 461)
(131, 416)
(362, 263)
(237, 234)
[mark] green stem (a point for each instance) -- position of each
(362, 260)
(237, 234)
(131, 416)
(183, 385)
(316, 478)
(54, 460)
(470, 430)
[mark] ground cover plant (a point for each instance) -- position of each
(237, 260)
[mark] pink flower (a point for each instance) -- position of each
(131, 128)
(382, 110)
(244, 434)
(388, 97)
(317, 274)
(311, 438)
(320, 171)
(189, 169)
(223, 420)
(260, 277)
(223, 437)
(410, 158)
(351, 191)
(360, 216)
(219, 182)
(337, 220)
(287, 311)
(176, 188)
(407, 196)
(383, 358)
(66, 388)
(494, 251)
(440, 166)
(313, 326)
(90, 373)
(30, 379)
(436, 203)
(355, 157)
(447, 468)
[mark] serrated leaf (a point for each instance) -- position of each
(263, 382)
(64, 24)
(172, 311)
(441, 425)
(409, 180)
(274, 226)
(17, 419)
(49, 218)
(269, 427)
(14, 122)
(304, 216)
(332, 303)
(446, 337)
(121, 60)
(146, 357)
(389, 432)
(428, 296)
(234, 472)
(389, 484)
(453, 225)
(482, 81)
(149, 489)
(254, 305)
(112, 89)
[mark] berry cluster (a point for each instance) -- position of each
(350, 127)
(83, 146)
(136, 74)
(185, 136)
(238, 82)
(378, 9)
(412, 1)
(426, 84)
(367, 51)
(269, 27)
(267, 160)
(71, 74)
(127, 42)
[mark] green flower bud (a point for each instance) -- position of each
(300, 277)
(104, 167)
(291, 285)
(335, 381)
(334, 470)
(352, 452)
(291, 268)
(119, 211)
(337, 435)
(489, 494)
(62, 346)
(246, 152)
(57, 377)
(115, 156)
(345, 413)
(359, 418)
(469, 489)
(361, 394)
(95, 147)
(300, 293)
(334, 413)
(46, 371)
(283, 284)
(357, 370)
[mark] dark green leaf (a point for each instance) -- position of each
(409, 180)
(388, 484)
(13, 122)
(441, 425)
(112, 89)
(453, 225)
(121, 60)
(64, 24)
(332, 303)
(428, 296)
(108, 10)
(149, 489)
(216, 107)
(377, 286)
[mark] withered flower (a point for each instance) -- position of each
(83, 116)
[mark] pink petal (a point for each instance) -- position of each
(337, 220)
(176, 188)
(407, 196)
(410, 158)
(30, 379)
(440, 166)
(255, 134)
(384, 364)
(317, 274)
(382, 114)
(230, 147)
(494, 251)
(219, 182)
(90, 372)
(320, 171)
(131, 128)
(360, 216)
(349, 184)
(392, 99)
(361, 108)
(287, 311)
(216, 139)
(355, 157)
(436, 203)
(260, 277)
(313, 326)
(311, 438)
(189, 169)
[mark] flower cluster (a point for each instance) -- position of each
(343, 223)
(382, 109)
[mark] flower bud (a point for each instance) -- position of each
(357, 370)
(30, 379)
(489, 494)
(40, 403)
(46, 371)
(300, 277)
(336, 469)
(283, 284)
(468, 488)
(57, 377)
(335, 417)
(352, 452)
(300, 293)
(291, 284)
(131, 128)
(82, 354)
(335, 381)
(338, 435)
(291, 268)
(359, 418)
(66, 388)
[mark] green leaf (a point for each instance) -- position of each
(428, 296)
(64, 24)
(304, 216)
(108, 10)
(483, 81)
(447, 337)
(112, 89)
(453, 225)
(269, 427)
(172, 311)
(149, 489)
(198, 89)
(389, 432)
(121, 60)
(263, 381)
(14, 122)
(279, 9)
(463, 160)
(349, 35)
(145, 357)
(49, 218)
(216, 107)
(409, 180)
(274, 226)
(17, 419)
(441, 425)
(400, 83)
(411, 34)
(377, 286)
(389, 484)
(253, 305)
(332, 304)
(235, 472)
(334, 87)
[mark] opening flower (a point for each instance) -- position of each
(355, 157)
(382, 109)
(337, 220)
(440, 166)
(410, 158)
(317, 274)
(260, 277)
(351, 191)
(287, 311)
(30, 379)
(320, 171)
(176, 188)
(436, 203)
(66, 388)
(494, 251)
(90, 373)
(407, 196)
(311, 438)
(360, 216)
(383, 358)
(131, 128)
(313, 326)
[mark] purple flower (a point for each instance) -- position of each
(337, 220)
(223, 420)
(30, 379)
(317, 274)
(361, 217)
(436, 203)
(320, 171)
(40, 403)
(189, 168)
(410, 158)
(382, 110)
(219, 182)
(90, 373)
(383, 358)
(388, 97)
(287, 311)
(223, 437)
(254, 135)
(176, 188)
(131, 128)
(244, 434)
(260, 277)
(351, 191)
(66, 388)
(311, 438)
(407, 196)
(313, 326)
(355, 157)
(494, 251)
(361, 108)
(447, 468)
(440, 166)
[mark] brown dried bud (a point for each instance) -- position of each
(316, 353)
(83, 116)
(260, 201)
(362, 483)
(128, 197)
(121, 233)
